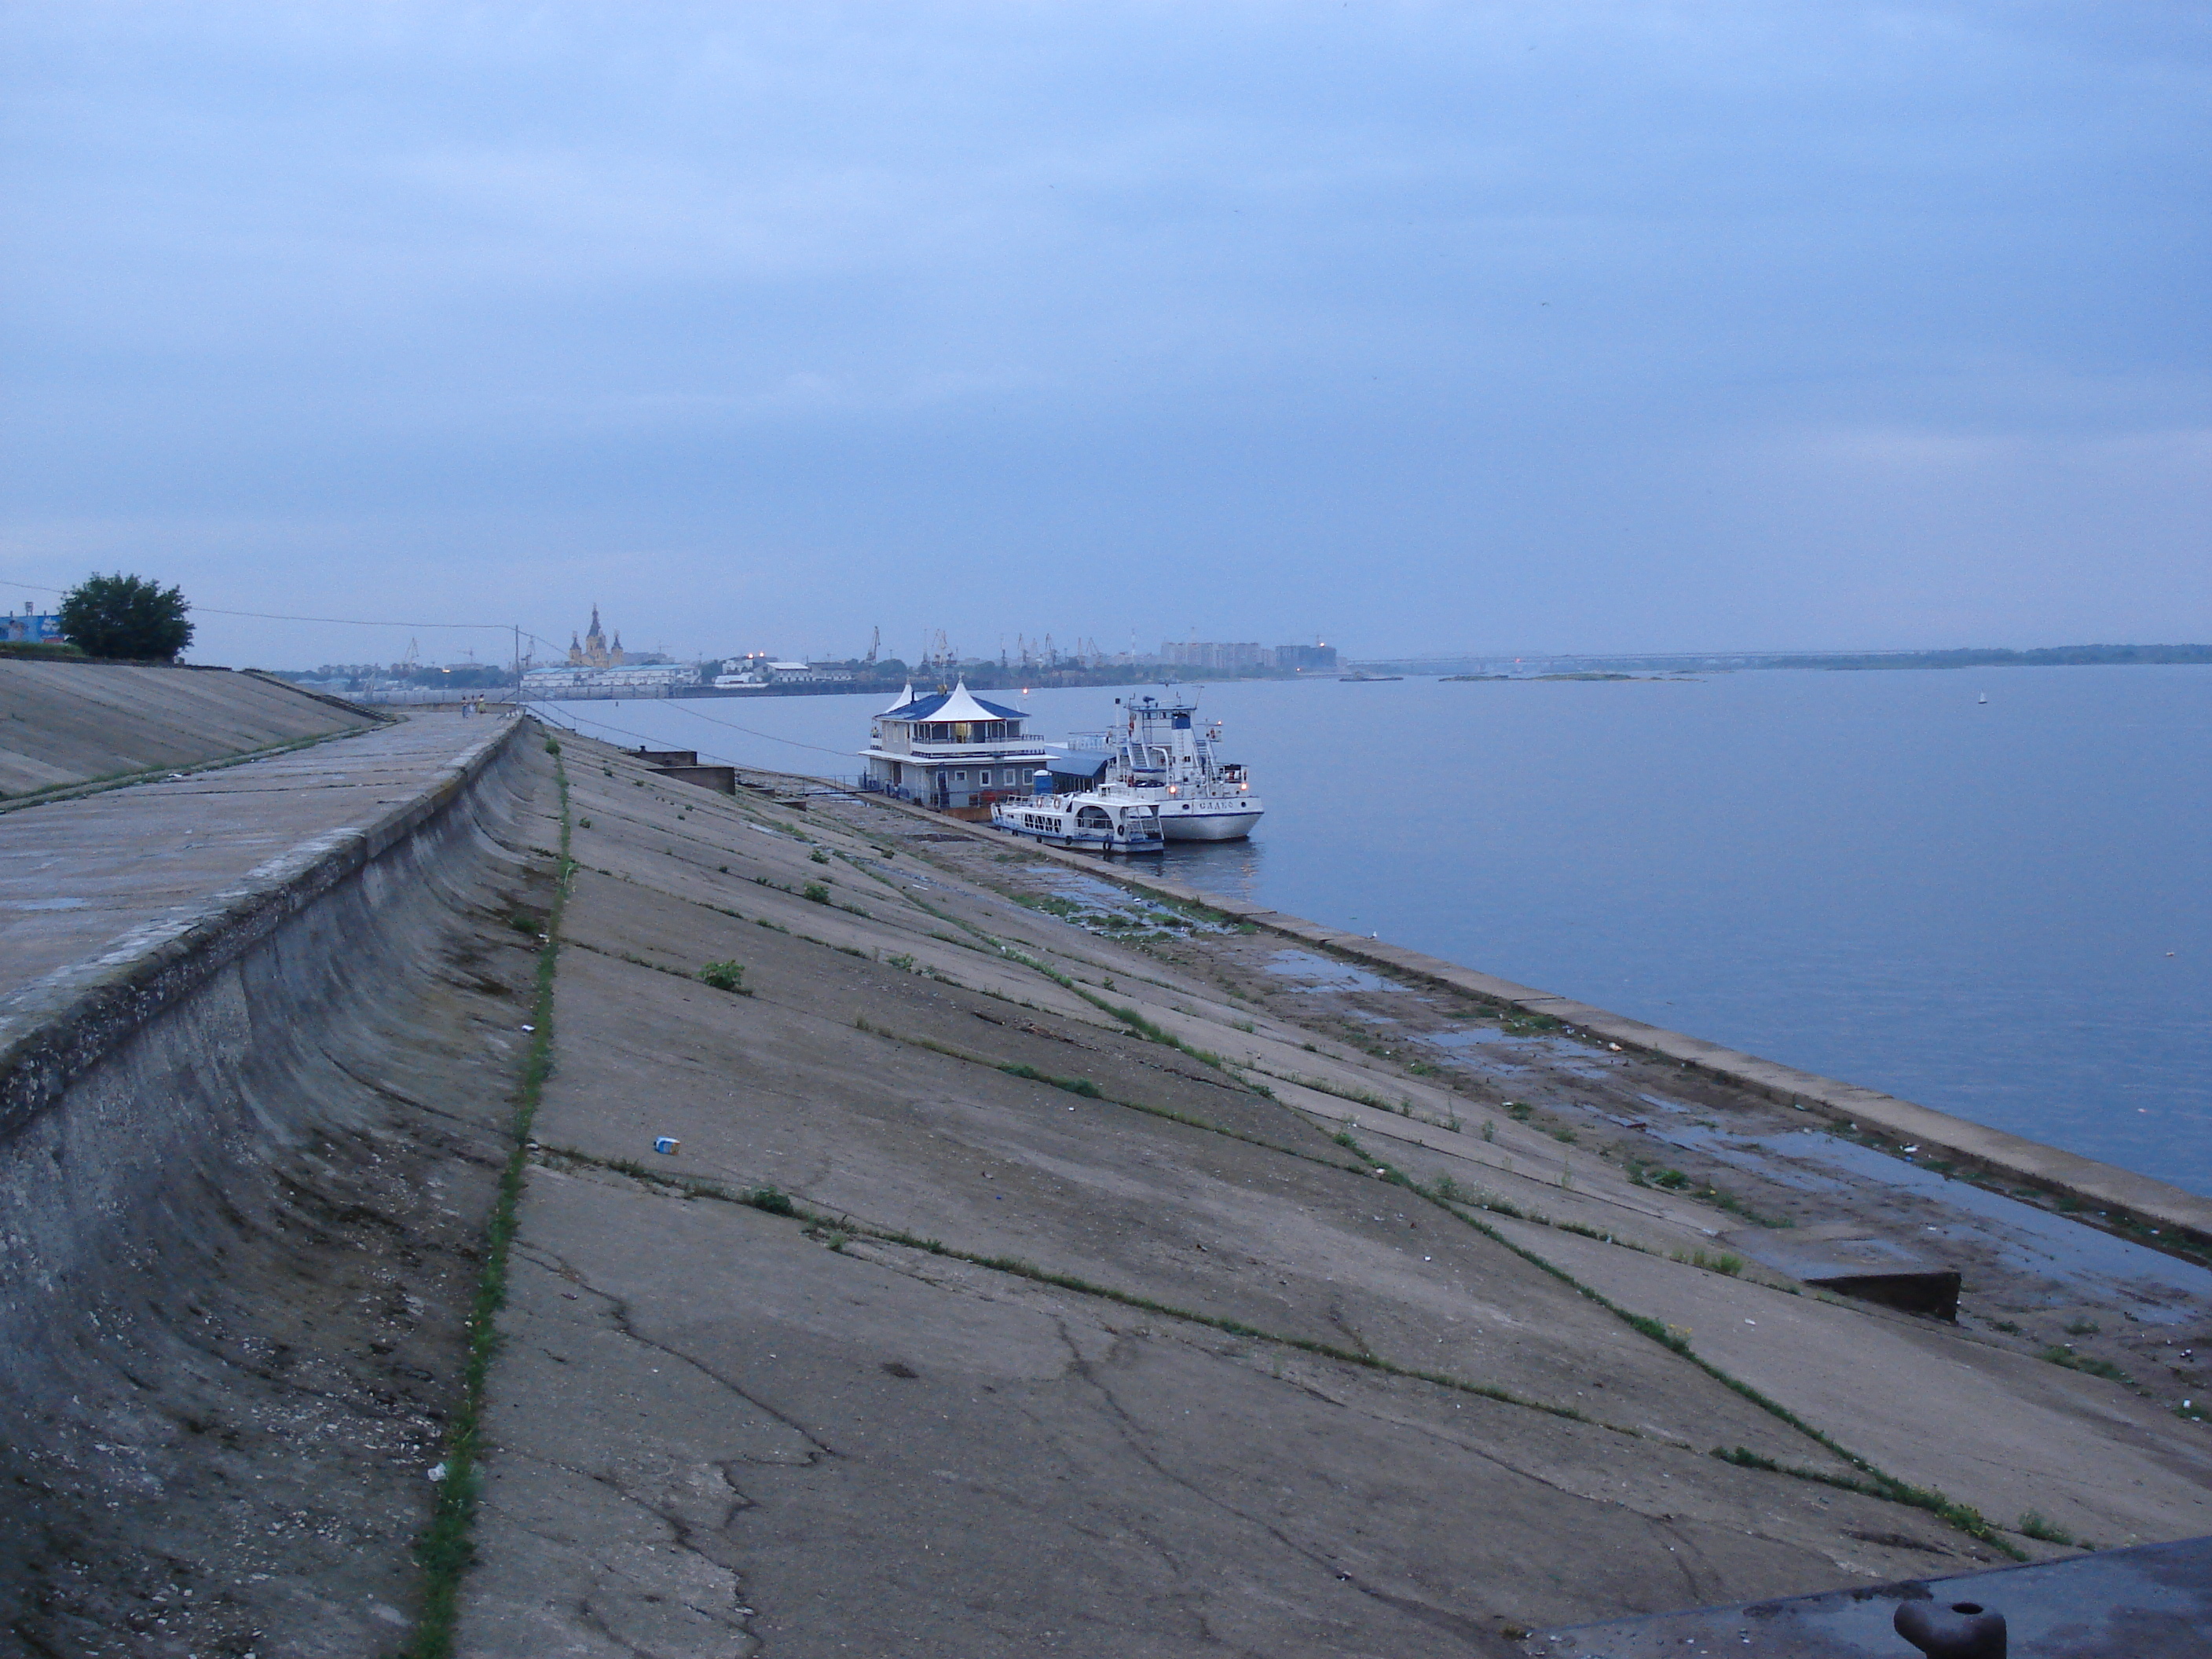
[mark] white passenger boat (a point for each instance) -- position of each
(1158, 754)
(1091, 820)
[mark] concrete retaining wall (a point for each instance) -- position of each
(129, 1082)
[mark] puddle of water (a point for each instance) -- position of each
(43, 904)
(1104, 902)
(1089, 889)
(2028, 1238)
(1332, 976)
(1486, 1036)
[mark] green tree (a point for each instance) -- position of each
(122, 616)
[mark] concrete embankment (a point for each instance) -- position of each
(1023, 1277)
(249, 1117)
(2120, 1196)
(66, 724)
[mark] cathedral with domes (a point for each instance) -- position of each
(594, 651)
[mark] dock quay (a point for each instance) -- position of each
(469, 1189)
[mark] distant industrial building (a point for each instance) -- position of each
(1303, 658)
(756, 671)
(656, 679)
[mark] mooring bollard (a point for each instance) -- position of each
(1953, 1630)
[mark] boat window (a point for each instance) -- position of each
(960, 776)
(1092, 817)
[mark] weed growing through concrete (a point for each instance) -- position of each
(725, 976)
(1721, 1263)
(2094, 1367)
(445, 1549)
(1074, 1086)
(816, 892)
(2033, 1525)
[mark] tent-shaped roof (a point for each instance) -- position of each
(904, 697)
(958, 704)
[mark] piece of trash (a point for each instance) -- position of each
(1616, 1048)
(436, 1471)
(665, 1144)
(1750, 1322)
(530, 1028)
(1382, 1172)
(1912, 1149)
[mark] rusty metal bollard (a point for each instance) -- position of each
(1953, 1630)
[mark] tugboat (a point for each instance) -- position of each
(1093, 820)
(1158, 756)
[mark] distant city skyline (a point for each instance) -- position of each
(1593, 327)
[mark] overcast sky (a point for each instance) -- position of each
(1415, 327)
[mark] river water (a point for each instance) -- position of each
(2000, 909)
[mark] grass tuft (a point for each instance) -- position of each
(446, 1547)
(2033, 1525)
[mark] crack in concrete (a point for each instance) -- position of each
(1442, 1618)
(619, 1310)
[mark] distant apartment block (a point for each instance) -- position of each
(1219, 655)
(1208, 653)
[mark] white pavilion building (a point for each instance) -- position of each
(951, 750)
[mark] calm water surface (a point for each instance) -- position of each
(2003, 910)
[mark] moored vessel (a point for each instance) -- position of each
(1159, 755)
(1092, 820)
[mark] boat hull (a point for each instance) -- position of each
(1196, 821)
(1077, 841)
